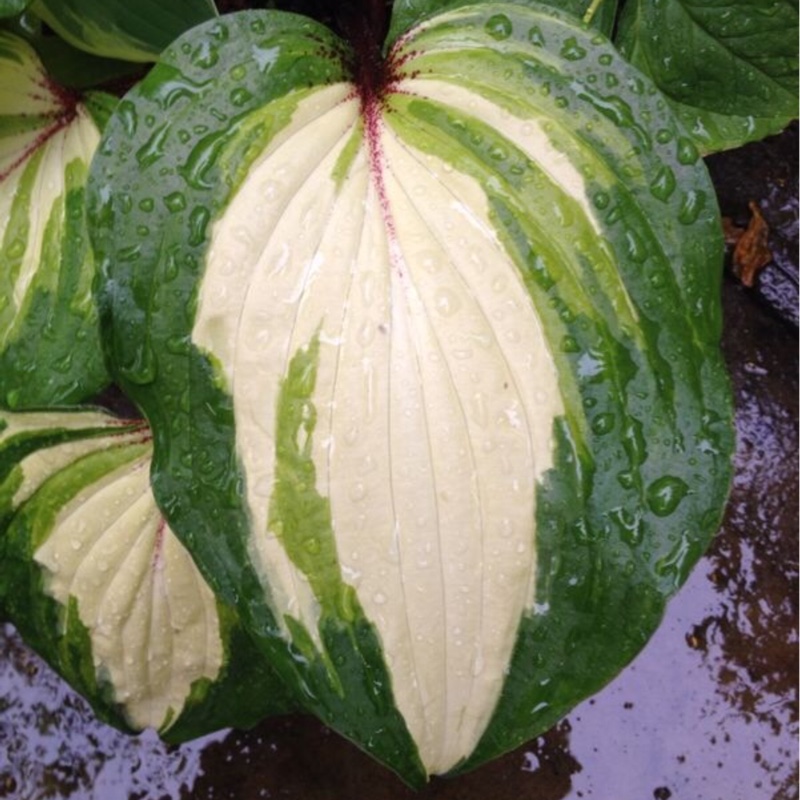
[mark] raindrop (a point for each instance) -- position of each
(446, 302)
(663, 185)
(175, 201)
(366, 334)
(205, 55)
(603, 424)
(198, 221)
(238, 72)
(691, 207)
(634, 442)
(535, 36)
(499, 27)
(240, 97)
(171, 268)
(582, 531)
(571, 50)
(177, 345)
(141, 369)
(63, 365)
(569, 344)
(153, 149)
(665, 494)
(630, 525)
(126, 113)
(635, 247)
(480, 414)
(664, 136)
(687, 152)
(601, 200)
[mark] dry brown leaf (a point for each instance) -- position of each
(751, 252)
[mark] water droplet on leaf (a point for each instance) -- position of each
(663, 185)
(499, 27)
(571, 50)
(665, 494)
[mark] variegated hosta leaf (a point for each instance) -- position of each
(97, 582)
(133, 31)
(430, 355)
(49, 339)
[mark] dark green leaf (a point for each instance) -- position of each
(121, 29)
(729, 68)
(10, 8)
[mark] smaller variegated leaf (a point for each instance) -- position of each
(50, 349)
(95, 580)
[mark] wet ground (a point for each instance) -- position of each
(708, 711)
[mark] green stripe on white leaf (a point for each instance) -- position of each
(47, 140)
(440, 364)
(88, 557)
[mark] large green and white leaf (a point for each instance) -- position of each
(730, 69)
(132, 31)
(96, 581)
(47, 140)
(431, 363)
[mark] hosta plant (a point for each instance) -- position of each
(424, 325)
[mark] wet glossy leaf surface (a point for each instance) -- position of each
(723, 723)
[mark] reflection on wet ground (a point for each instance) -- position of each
(708, 711)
